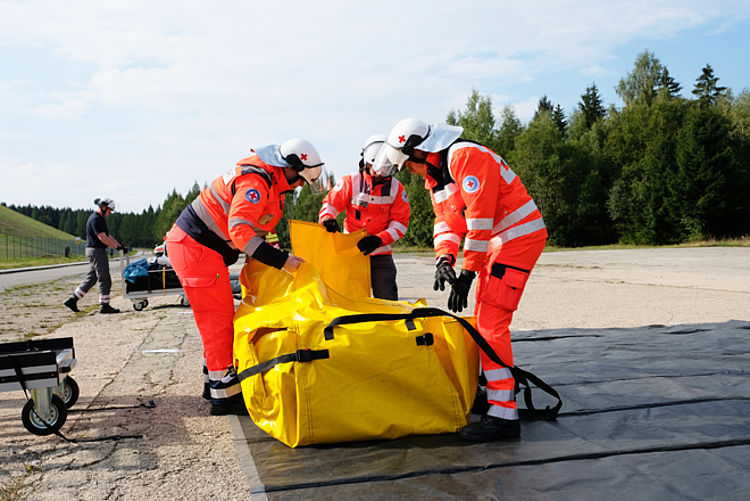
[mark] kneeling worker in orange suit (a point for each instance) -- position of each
(229, 217)
(476, 196)
(377, 202)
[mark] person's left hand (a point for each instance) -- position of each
(459, 297)
(369, 243)
(292, 263)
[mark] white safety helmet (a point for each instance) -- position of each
(410, 134)
(370, 151)
(105, 202)
(302, 156)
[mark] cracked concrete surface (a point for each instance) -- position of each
(174, 449)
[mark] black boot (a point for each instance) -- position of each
(206, 391)
(72, 303)
(480, 406)
(106, 308)
(233, 405)
(491, 428)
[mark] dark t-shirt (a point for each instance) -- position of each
(95, 225)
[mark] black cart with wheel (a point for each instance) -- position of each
(41, 369)
(161, 280)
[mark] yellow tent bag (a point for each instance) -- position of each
(319, 366)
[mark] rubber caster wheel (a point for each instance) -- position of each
(56, 419)
(138, 306)
(70, 392)
(184, 301)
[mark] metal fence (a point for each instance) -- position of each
(15, 247)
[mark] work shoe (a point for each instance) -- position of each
(106, 308)
(490, 428)
(206, 395)
(72, 303)
(235, 406)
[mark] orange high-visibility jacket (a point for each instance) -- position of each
(244, 205)
(481, 199)
(382, 210)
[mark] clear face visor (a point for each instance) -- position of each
(381, 166)
(393, 156)
(318, 178)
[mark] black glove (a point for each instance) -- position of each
(459, 298)
(332, 226)
(444, 273)
(369, 243)
(123, 249)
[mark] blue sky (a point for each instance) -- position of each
(131, 100)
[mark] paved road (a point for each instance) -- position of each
(40, 274)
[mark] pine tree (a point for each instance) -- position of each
(706, 88)
(668, 86)
(591, 106)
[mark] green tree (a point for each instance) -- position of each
(422, 217)
(668, 86)
(477, 120)
(641, 83)
(590, 106)
(165, 218)
(510, 128)
(706, 88)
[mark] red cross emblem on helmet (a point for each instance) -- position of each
(303, 156)
(401, 139)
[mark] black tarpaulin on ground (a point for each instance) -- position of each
(649, 413)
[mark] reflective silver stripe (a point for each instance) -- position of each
(235, 221)
(498, 374)
(501, 395)
(381, 200)
(476, 245)
(222, 202)
(252, 245)
(441, 227)
(393, 233)
(451, 237)
(327, 210)
(518, 231)
(445, 193)
(503, 413)
(479, 223)
(226, 392)
(381, 250)
(217, 375)
(205, 216)
(401, 228)
(507, 174)
(514, 217)
(361, 199)
(79, 293)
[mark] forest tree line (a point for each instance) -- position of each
(670, 166)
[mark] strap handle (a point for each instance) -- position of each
(297, 356)
(521, 376)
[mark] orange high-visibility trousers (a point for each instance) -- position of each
(205, 279)
(500, 286)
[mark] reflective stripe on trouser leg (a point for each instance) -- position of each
(493, 324)
(224, 385)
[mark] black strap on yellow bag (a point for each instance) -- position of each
(297, 356)
(522, 377)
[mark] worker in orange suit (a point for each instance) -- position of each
(477, 198)
(232, 216)
(377, 202)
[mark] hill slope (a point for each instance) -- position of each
(14, 223)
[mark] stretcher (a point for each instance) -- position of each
(161, 281)
(41, 368)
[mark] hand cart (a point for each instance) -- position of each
(41, 368)
(161, 281)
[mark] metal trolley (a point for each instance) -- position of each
(41, 368)
(161, 281)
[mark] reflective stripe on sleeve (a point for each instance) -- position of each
(238, 221)
(252, 245)
(515, 216)
(476, 245)
(518, 231)
(393, 233)
(385, 249)
(451, 237)
(398, 227)
(445, 193)
(479, 223)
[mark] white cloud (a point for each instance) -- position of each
(170, 92)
